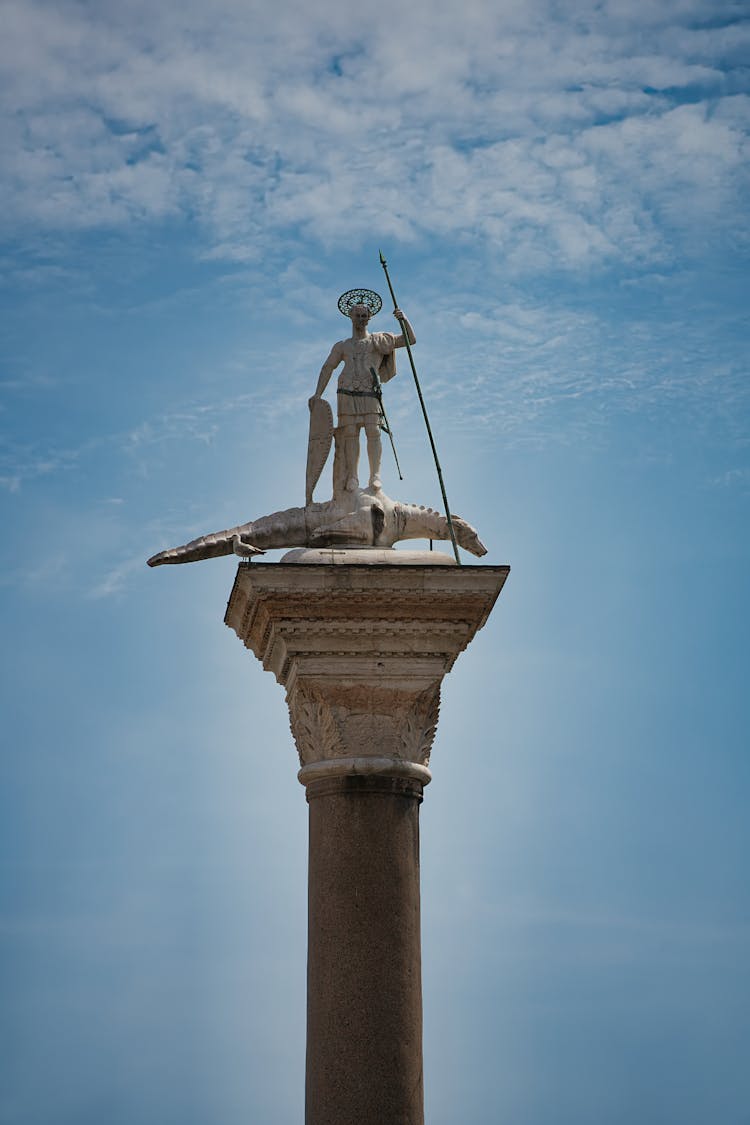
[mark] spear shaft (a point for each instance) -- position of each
(384, 264)
(385, 424)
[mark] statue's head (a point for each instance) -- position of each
(360, 315)
(359, 303)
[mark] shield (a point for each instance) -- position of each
(319, 444)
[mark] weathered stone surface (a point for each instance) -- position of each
(360, 636)
(364, 1012)
(369, 360)
(356, 519)
(361, 650)
(366, 556)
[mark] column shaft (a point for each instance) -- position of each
(364, 1003)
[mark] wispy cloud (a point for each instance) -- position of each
(520, 371)
(528, 372)
(115, 579)
(556, 137)
(20, 464)
(733, 478)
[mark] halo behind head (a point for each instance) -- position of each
(353, 297)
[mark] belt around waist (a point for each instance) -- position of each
(358, 394)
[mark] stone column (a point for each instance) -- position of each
(362, 651)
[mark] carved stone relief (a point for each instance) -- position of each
(334, 720)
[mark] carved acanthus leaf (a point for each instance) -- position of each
(313, 726)
(419, 726)
(336, 721)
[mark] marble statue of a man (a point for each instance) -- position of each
(357, 401)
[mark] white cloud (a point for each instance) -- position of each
(513, 124)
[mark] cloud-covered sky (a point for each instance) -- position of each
(555, 136)
(562, 195)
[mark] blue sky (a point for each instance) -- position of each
(561, 192)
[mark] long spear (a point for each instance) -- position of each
(384, 423)
(384, 264)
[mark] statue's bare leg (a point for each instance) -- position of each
(350, 441)
(339, 463)
(374, 452)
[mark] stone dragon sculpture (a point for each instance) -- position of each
(371, 520)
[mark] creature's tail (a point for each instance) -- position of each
(207, 547)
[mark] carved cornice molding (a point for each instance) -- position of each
(361, 650)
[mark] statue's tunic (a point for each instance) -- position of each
(377, 350)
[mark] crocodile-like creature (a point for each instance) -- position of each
(373, 520)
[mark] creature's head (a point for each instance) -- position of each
(467, 537)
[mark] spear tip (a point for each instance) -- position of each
(382, 259)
